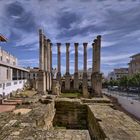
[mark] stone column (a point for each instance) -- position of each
(67, 58)
(98, 52)
(51, 78)
(49, 55)
(41, 50)
(51, 44)
(85, 80)
(92, 57)
(95, 55)
(96, 78)
(59, 63)
(76, 78)
(41, 74)
(67, 75)
(46, 62)
(45, 54)
(49, 65)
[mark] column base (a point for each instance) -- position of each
(58, 77)
(56, 88)
(76, 82)
(67, 81)
(96, 83)
(41, 88)
(85, 86)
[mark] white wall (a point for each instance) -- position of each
(10, 86)
(131, 105)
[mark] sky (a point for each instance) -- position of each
(117, 21)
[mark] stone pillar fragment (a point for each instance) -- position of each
(59, 63)
(76, 78)
(85, 80)
(67, 75)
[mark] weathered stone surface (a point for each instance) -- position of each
(70, 114)
(96, 115)
(116, 125)
(22, 111)
(56, 88)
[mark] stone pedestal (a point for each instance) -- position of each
(41, 82)
(76, 82)
(58, 77)
(56, 88)
(67, 81)
(85, 86)
(96, 84)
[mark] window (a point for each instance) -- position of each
(8, 84)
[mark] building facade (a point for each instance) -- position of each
(12, 77)
(116, 74)
(89, 72)
(134, 65)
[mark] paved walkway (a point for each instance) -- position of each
(5, 108)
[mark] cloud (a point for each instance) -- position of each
(28, 62)
(72, 21)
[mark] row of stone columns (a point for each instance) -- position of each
(45, 59)
(67, 74)
(45, 64)
(96, 76)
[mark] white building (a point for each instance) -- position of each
(116, 74)
(12, 77)
(134, 65)
(89, 72)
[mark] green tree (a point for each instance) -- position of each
(123, 82)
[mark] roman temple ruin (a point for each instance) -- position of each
(45, 78)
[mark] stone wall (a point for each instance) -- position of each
(45, 120)
(70, 114)
(93, 126)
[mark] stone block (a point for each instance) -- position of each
(67, 81)
(96, 83)
(41, 82)
(76, 82)
(85, 86)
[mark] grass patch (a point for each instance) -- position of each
(70, 95)
(59, 127)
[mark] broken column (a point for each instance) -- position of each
(85, 79)
(96, 78)
(41, 73)
(58, 63)
(67, 75)
(76, 79)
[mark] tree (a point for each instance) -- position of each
(123, 82)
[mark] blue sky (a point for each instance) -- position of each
(118, 21)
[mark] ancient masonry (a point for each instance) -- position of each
(45, 81)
